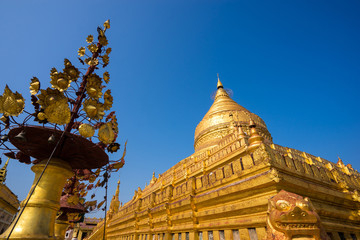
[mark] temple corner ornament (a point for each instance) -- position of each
(292, 216)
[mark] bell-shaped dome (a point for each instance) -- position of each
(218, 121)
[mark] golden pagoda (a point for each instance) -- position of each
(9, 202)
(237, 185)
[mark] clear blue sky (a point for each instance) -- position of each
(296, 64)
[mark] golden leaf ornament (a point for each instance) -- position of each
(11, 104)
(49, 96)
(115, 124)
(86, 130)
(106, 77)
(107, 24)
(92, 48)
(108, 51)
(34, 86)
(90, 39)
(92, 61)
(108, 100)
(100, 204)
(72, 72)
(93, 87)
(60, 81)
(93, 109)
(106, 133)
(105, 59)
(102, 40)
(58, 112)
(81, 51)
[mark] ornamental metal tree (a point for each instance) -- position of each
(75, 127)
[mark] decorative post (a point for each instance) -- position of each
(38, 218)
(76, 104)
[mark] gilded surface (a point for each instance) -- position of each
(223, 190)
(86, 130)
(220, 118)
(11, 104)
(38, 218)
(291, 216)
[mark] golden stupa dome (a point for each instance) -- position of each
(218, 122)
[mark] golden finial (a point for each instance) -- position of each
(153, 179)
(219, 84)
(3, 172)
(117, 190)
(340, 163)
(241, 132)
(255, 139)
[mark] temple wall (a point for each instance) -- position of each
(223, 193)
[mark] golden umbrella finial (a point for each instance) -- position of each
(219, 84)
(340, 162)
(3, 172)
(117, 190)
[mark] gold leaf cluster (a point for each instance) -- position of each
(93, 109)
(50, 96)
(72, 72)
(56, 108)
(11, 104)
(93, 48)
(93, 86)
(62, 80)
(58, 113)
(92, 61)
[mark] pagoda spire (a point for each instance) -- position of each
(219, 84)
(117, 191)
(3, 172)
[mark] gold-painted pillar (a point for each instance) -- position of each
(244, 234)
(216, 235)
(168, 236)
(38, 218)
(60, 229)
(194, 235)
(228, 234)
(261, 232)
(205, 235)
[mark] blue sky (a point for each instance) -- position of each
(295, 64)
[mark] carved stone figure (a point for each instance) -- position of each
(291, 216)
